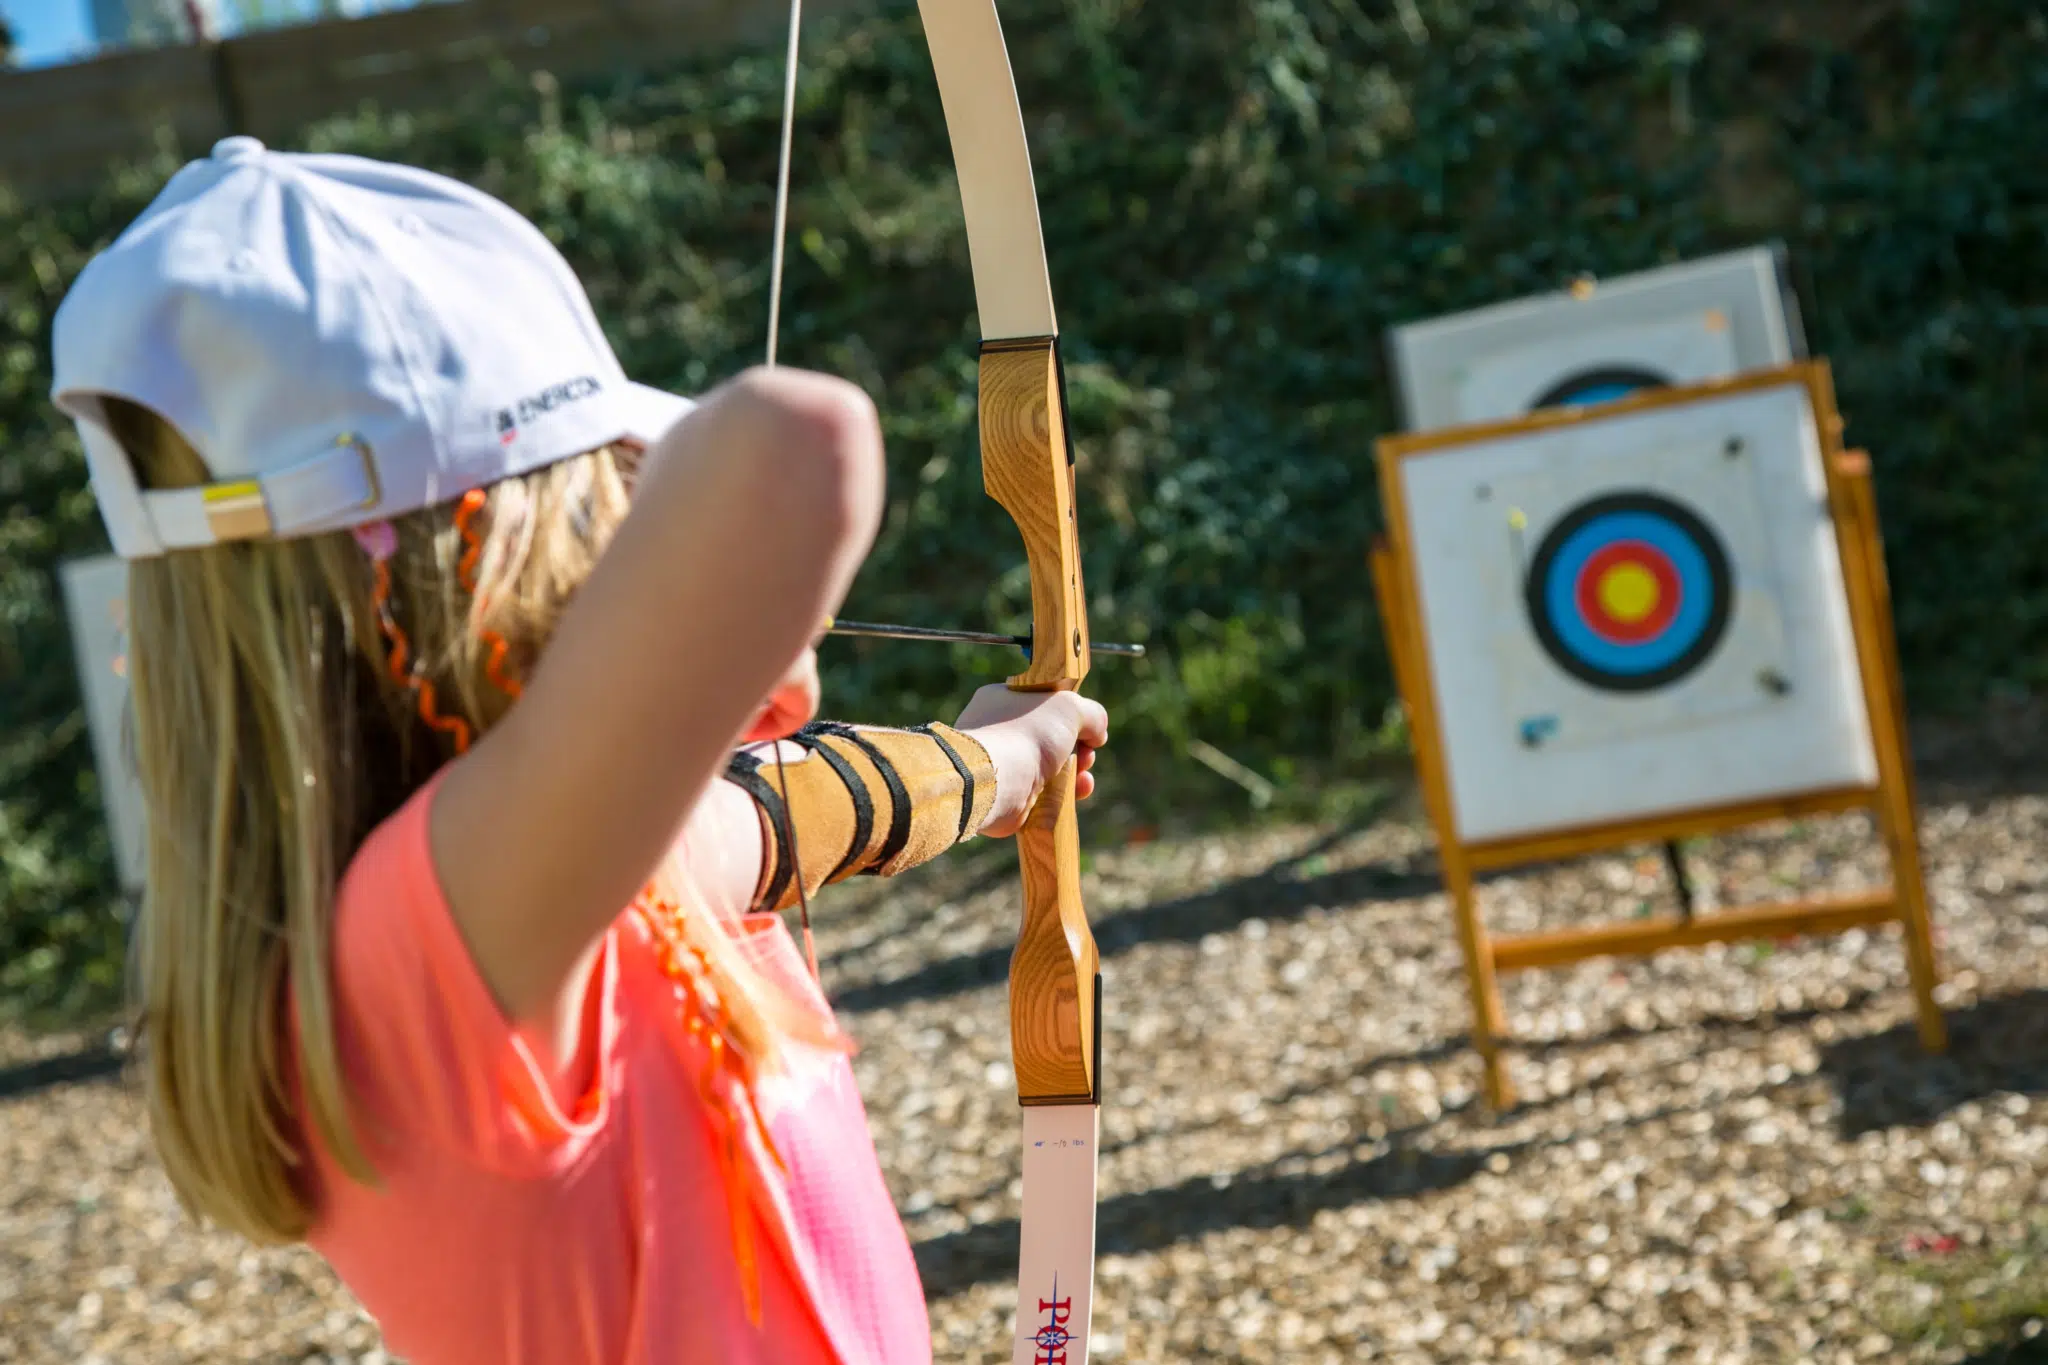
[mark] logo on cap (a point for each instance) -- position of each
(541, 404)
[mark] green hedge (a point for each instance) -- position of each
(1240, 196)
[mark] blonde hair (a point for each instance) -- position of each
(271, 738)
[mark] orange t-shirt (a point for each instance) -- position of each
(504, 1230)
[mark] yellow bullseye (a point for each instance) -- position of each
(1628, 593)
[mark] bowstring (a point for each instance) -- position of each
(796, 9)
(796, 14)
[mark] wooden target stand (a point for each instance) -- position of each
(1852, 506)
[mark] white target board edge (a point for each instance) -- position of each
(1715, 737)
(96, 597)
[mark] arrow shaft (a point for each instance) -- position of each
(877, 630)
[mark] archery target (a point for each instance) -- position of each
(1681, 324)
(1593, 365)
(1629, 591)
(96, 597)
(1636, 613)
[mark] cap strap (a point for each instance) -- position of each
(307, 494)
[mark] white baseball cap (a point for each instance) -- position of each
(341, 340)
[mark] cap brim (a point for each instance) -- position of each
(650, 412)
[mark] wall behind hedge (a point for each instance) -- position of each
(1240, 195)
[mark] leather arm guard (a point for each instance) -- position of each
(865, 801)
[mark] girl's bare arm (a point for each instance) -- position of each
(750, 521)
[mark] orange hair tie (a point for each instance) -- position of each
(494, 666)
(465, 514)
(379, 542)
(465, 571)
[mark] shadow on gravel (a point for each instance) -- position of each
(92, 1063)
(2025, 1352)
(1886, 1080)
(1711, 1023)
(1265, 1198)
(1131, 1224)
(1277, 893)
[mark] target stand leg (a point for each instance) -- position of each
(1926, 970)
(1489, 1025)
(1404, 652)
(1681, 880)
(1883, 683)
(1897, 822)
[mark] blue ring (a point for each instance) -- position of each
(1599, 393)
(1601, 384)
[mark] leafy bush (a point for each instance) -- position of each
(1239, 197)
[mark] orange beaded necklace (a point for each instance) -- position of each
(726, 1083)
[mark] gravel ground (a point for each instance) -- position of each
(1728, 1154)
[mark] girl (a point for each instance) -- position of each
(456, 960)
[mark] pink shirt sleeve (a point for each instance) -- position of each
(429, 1055)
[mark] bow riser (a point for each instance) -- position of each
(1028, 467)
(1055, 979)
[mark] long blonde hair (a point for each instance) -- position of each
(271, 738)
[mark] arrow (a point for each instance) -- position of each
(966, 637)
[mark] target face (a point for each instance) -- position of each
(1629, 592)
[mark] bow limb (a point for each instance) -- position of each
(1027, 465)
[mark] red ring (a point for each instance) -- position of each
(1611, 556)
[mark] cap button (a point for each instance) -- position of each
(236, 149)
